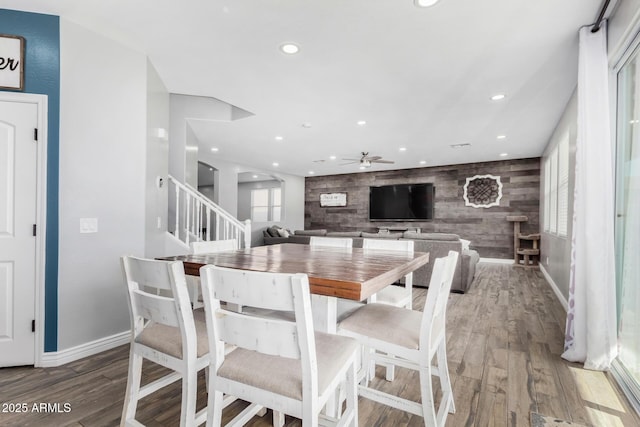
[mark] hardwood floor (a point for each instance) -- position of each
(505, 337)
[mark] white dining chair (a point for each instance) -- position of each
(393, 295)
(206, 247)
(279, 364)
(164, 332)
(410, 339)
(331, 242)
(396, 296)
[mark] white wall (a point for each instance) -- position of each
(102, 175)
(292, 187)
(555, 251)
(157, 164)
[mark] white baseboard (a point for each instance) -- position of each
(555, 288)
(496, 260)
(57, 358)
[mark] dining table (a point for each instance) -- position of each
(351, 274)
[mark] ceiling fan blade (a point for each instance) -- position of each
(352, 160)
(382, 161)
(372, 158)
(350, 163)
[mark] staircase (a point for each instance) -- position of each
(195, 218)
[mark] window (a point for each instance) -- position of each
(260, 205)
(266, 204)
(556, 188)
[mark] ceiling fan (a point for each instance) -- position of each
(366, 160)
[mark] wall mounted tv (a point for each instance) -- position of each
(401, 202)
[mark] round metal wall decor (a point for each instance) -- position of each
(482, 191)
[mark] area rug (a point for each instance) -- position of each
(538, 420)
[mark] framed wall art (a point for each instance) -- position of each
(482, 191)
(11, 62)
(333, 199)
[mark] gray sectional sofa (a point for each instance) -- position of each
(437, 244)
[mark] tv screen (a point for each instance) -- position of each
(401, 202)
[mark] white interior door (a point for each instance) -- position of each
(18, 195)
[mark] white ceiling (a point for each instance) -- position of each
(421, 78)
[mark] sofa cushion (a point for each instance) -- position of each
(431, 236)
(382, 235)
(310, 232)
(344, 233)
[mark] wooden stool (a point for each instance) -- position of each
(527, 255)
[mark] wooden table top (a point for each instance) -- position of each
(346, 273)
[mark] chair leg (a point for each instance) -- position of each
(189, 395)
(351, 389)
(426, 390)
(391, 370)
(445, 380)
(278, 419)
(214, 408)
(133, 388)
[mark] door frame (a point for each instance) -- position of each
(41, 101)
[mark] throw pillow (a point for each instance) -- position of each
(283, 233)
(273, 231)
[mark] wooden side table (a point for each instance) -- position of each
(526, 252)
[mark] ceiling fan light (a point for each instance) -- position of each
(424, 3)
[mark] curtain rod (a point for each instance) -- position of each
(598, 23)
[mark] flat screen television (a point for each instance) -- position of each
(401, 202)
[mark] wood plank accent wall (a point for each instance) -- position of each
(487, 228)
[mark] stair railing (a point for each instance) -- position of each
(196, 218)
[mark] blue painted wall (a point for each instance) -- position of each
(42, 76)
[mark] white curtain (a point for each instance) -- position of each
(591, 319)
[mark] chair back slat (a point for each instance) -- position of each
(251, 288)
(157, 308)
(267, 335)
(435, 308)
(275, 337)
(147, 273)
(213, 246)
(146, 279)
(331, 242)
(388, 245)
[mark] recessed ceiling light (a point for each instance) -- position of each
(254, 176)
(361, 122)
(423, 162)
(501, 137)
(279, 138)
(424, 3)
(332, 157)
(289, 48)
(306, 125)
(403, 148)
(504, 154)
(276, 164)
(498, 97)
(211, 169)
(633, 122)
(311, 172)
(214, 149)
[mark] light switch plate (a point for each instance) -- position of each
(88, 225)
